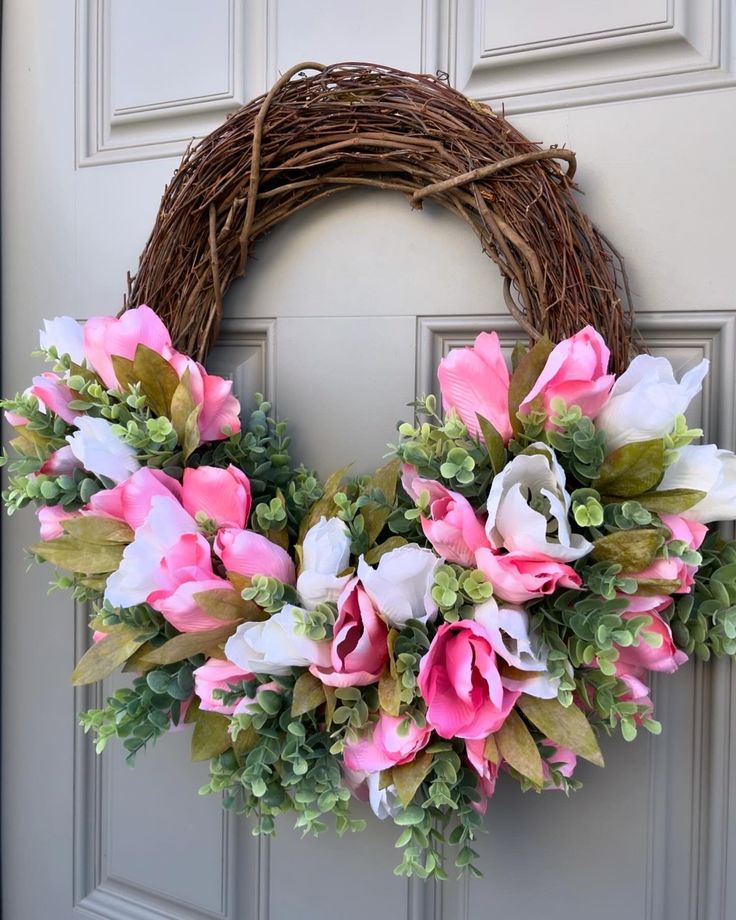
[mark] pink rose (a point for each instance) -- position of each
(217, 674)
(386, 746)
(249, 554)
(666, 656)
(359, 650)
(476, 380)
(105, 336)
(59, 462)
(222, 495)
(674, 569)
(50, 518)
(130, 500)
(576, 372)
(637, 691)
(487, 771)
(219, 409)
(563, 761)
(54, 396)
(461, 685)
(453, 528)
(517, 577)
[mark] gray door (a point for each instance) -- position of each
(341, 321)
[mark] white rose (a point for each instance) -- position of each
(646, 399)
(66, 335)
(508, 628)
(325, 552)
(384, 802)
(273, 647)
(528, 509)
(100, 451)
(711, 470)
(401, 585)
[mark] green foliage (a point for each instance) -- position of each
(269, 593)
(316, 624)
(579, 447)
(456, 590)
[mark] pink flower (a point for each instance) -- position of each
(393, 741)
(12, 418)
(517, 577)
(453, 528)
(105, 336)
(50, 518)
(59, 462)
(487, 771)
(219, 409)
(217, 674)
(130, 501)
(665, 656)
(461, 685)
(637, 690)
(563, 761)
(222, 495)
(249, 554)
(476, 380)
(675, 569)
(54, 396)
(359, 649)
(576, 372)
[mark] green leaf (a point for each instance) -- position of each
(325, 506)
(227, 604)
(525, 376)
(517, 353)
(374, 515)
(633, 550)
(410, 816)
(187, 644)
(631, 470)
(494, 443)
(408, 777)
(389, 693)
(95, 529)
(124, 371)
(102, 658)
(565, 725)
(184, 416)
(373, 555)
(68, 552)
(518, 748)
(308, 694)
(158, 379)
(670, 501)
(490, 750)
(210, 736)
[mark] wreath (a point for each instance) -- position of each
(490, 601)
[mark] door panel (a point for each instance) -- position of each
(341, 321)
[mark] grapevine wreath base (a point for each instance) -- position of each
(489, 602)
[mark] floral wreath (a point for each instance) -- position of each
(490, 601)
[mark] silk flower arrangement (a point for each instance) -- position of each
(488, 602)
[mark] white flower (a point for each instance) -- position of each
(325, 552)
(711, 470)
(646, 399)
(66, 334)
(273, 647)
(384, 802)
(139, 573)
(508, 628)
(528, 509)
(100, 451)
(401, 585)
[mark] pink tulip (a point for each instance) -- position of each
(217, 674)
(249, 554)
(222, 496)
(359, 649)
(461, 685)
(674, 569)
(517, 577)
(130, 501)
(386, 746)
(54, 396)
(219, 409)
(12, 418)
(487, 771)
(666, 656)
(50, 518)
(476, 380)
(105, 336)
(576, 372)
(637, 691)
(563, 761)
(453, 528)
(59, 462)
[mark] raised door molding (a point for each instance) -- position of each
(550, 56)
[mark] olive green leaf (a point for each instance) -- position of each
(494, 443)
(184, 416)
(187, 644)
(124, 371)
(389, 686)
(375, 516)
(490, 750)
(631, 470)
(565, 725)
(373, 555)
(211, 735)
(308, 694)
(67, 552)
(325, 506)
(518, 748)
(102, 658)
(94, 529)
(157, 377)
(517, 353)
(525, 376)
(408, 777)
(227, 604)
(670, 501)
(633, 550)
